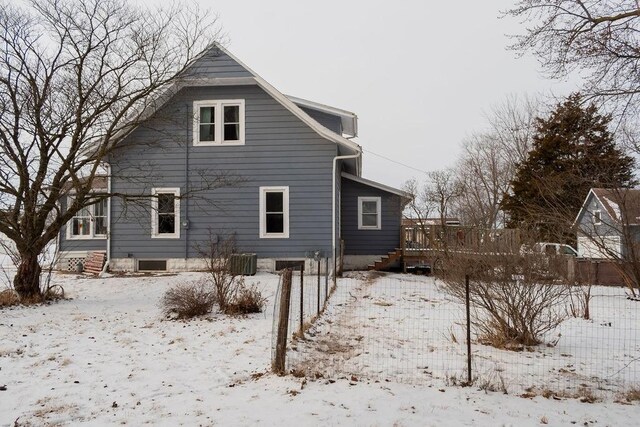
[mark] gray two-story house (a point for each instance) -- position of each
(608, 224)
(228, 153)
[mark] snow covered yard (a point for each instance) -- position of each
(406, 328)
(107, 357)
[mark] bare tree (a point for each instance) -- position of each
(598, 39)
(489, 159)
(76, 77)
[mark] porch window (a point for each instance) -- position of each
(89, 222)
(274, 212)
(165, 213)
(369, 209)
(218, 122)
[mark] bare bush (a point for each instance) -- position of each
(9, 297)
(515, 298)
(188, 300)
(217, 252)
(248, 299)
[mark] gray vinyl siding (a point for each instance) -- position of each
(215, 63)
(369, 242)
(279, 150)
(331, 122)
(607, 228)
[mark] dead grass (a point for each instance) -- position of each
(630, 396)
(583, 394)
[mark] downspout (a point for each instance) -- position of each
(106, 263)
(185, 222)
(333, 202)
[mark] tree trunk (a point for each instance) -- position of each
(27, 279)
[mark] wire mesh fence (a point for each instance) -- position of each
(410, 329)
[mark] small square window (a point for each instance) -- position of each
(369, 213)
(89, 222)
(218, 122)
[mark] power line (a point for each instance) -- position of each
(395, 161)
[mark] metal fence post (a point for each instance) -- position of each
(318, 302)
(467, 303)
(301, 299)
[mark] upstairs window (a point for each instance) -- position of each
(369, 213)
(218, 122)
(165, 213)
(89, 222)
(597, 217)
(274, 212)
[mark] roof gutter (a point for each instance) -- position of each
(333, 211)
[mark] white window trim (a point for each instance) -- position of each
(154, 213)
(263, 213)
(91, 235)
(219, 124)
(378, 201)
(595, 221)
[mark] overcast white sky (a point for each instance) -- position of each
(420, 75)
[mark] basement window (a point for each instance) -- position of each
(152, 265)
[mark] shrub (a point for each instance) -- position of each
(246, 300)
(513, 303)
(9, 297)
(188, 300)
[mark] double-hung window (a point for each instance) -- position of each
(165, 213)
(90, 222)
(274, 212)
(369, 209)
(218, 122)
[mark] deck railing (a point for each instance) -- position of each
(427, 237)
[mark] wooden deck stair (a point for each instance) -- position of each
(94, 262)
(386, 260)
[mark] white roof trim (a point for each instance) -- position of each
(376, 185)
(584, 206)
(173, 88)
(288, 104)
(349, 119)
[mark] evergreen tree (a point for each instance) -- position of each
(572, 152)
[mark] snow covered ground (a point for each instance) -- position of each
(107, 357)
(405, 328)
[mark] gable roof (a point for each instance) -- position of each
(621, 204)
(235, 73)
(406, 196)
(278, 96)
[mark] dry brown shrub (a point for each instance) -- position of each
(9, 297)
(188, 300)
(245, 301)
(515, 298)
